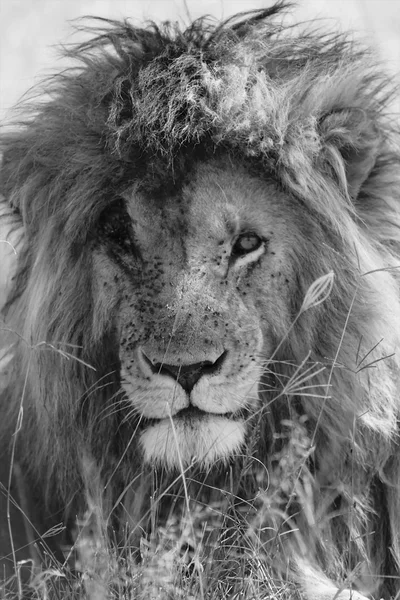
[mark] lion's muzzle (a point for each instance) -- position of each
(186, 375)
(190, 410)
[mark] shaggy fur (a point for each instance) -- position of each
(311, 112)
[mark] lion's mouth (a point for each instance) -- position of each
(192, 413)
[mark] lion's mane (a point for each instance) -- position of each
(312, 111)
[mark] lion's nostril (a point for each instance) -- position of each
(188, 375)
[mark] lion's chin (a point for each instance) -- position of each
(201, 439)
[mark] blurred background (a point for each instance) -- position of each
(31, 29)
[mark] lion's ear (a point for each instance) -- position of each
(13, 174)
(354, 135)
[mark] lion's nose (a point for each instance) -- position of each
(188, 375)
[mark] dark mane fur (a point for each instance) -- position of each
(141, 105)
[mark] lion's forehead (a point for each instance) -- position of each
(213, 206)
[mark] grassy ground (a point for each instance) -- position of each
(204, 552)
(221, 548)
(214, 546)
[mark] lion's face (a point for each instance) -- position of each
(196, 284)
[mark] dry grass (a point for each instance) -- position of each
(228, 548)
(201, 552)
(225, 548)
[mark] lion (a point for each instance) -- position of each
(207, 293)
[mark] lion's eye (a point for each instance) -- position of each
(246, 243)
(115, 224)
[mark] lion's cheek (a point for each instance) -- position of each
(231, 394)
(177, 442)
(105, 295)
(157, 398)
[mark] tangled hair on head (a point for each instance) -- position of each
(140, 109)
